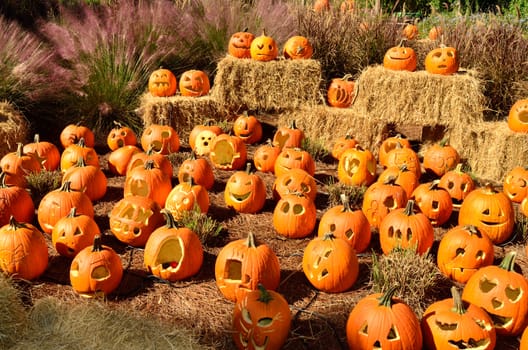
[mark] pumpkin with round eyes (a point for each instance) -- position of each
(503, 293)
(245, 191)
(462, 251)
(248, 128)
(240, 43)
(202, 135)
(341, 92)
(518, 116)
(265, 156)
(515, 184)
(434, 202)
(357, 167)
(297, 47)
(294, 216)
(381, 198)
(120, 136)
(73, 233)
(162, 83)
(243, 264)
(163, 139)
(341, 144)
(491, 211)
(294, 158)
(187, 196)
(400, 58)
(451, 323)
(261, 320)
(443, 60)
(194, 83)
(440, 158)
(458, 184)
(382, 321)
(264, 48)
(295, 180)
(199, 170)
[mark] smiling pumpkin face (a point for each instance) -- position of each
(194, 83)
(240, 44)
(400, 58)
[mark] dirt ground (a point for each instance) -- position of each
(318, 318)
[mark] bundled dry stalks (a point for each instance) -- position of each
(14, 128)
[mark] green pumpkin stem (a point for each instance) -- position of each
(251, 241)
(293, 124)
(264, 296)
(81, 142)
(20, 149)
(72, 213)
(66, 186)
(458, 304)
(386, 299)
(444, 142)
(170, 221)
(81, 162)
(409, 208)
(473, 230)
(508, 262)
(14, 224)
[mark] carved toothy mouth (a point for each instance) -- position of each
(470, 344)
(160, 84)
(502, 322)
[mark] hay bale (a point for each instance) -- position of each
(180, 112)
(266, 86)
(420, 98)
(14, 128)
(491, 149)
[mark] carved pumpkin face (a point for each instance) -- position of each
(187, 196)
(357, 167)
(515, 184)
(458, 184)
(245, 191)
(295, 180)
(248, 128)
(404, 156)
(163, 139)
(294, 216)
(264, 48)
(400, 58)
(297, 47)
(203, 142)
(197, 170)
(518, 116)
(390, 143)
(291, 158)
(440, 158)
(443, 60)
(342, 144)
(239, 44)
(341, 92)
(121, 136)
(194, 83)
(434, 202)
(162, 83)
(265, 156)
(148, 181)
(380, 199)
(288, 136)
(228, 152)
(73, 233)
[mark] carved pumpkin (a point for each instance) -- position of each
(341, 92)
(160, 161)
(243, 264)
(356, 167)
(403, 177)
(380, 198)
(201, 137)
(264, 48)
(120, 136)
(197, 170)
(288, 136)
(148, 181)
(295, 180)
(46, 152)
(96, 270)
(434, 202)
(524, 340)
(15, 201)
(440, 158)
(294, 216)
(73, 233)
(163, 139)
(240, 43)
(400, 58)
(458, 184)
(390, 143)
(162, 83)
(228, 152)
(443, 60)
(73, 133)
(515, 184)
(248, 128)
(194, 83)
(404, 155)
(297, 47)
(265, 156)
(292, 158)
(518, 116)
(245, 191)
(341, 144)
(187, 196)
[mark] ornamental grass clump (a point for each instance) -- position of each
(13, 316)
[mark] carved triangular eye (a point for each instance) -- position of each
(393, 334)
(364, 329)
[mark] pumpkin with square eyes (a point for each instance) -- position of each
(515, 184)
(503, 293)
(194, 83)
(294, 216)
(240, 43)
(162, 83)
(400, 58)
(443, 60)
(458, 184)
(245, 191)
(434, 202)
(462, 251)
(357, 167)
(261, 320)
(382, 321)
(264, 48)
(518, 116)
(294, 158)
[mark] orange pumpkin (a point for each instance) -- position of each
(245, 191)
(435, 33)
(202, 135)
(294, 158)
(71, 154)
(162, 83)
(46, 152)
(341, 92)
(404, 155)
(518, 116)
(72, 133)
(294, 216)
(240, 43)
(194, 83)
(390, 143)
(443, 60)
(356, 167)
(403, 177)
(264, 48)
(163, 139)
(410, 31)
(381, 198)
(288, 136)
(197, 170)
(434, 202)
(440, 158)
(148, 181)
(341, 144)
(20, 163)
(14, 201)
(321, 5)
(120, 136)
(73, 233)
(265, 156)
(86, 178)
(458, 184)
(400, 58)
(187, 196)
(159, 160)
(248, 128)
(515, 184)
(295, 180)
(228, 152)
(119, 160)
(297, 47)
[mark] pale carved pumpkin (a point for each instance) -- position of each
(185, 197)
(356, 167)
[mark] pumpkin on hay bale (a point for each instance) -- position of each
(14, 128)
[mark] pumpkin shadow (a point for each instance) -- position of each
(58, 270)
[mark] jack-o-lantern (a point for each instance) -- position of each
(265, 156)
(341, 144)
(248, 128)
(462, 251)
(288, 136)
(356, 167)
(440, 158)
(228, 152)
(443, 60)
(390, 143)
(244, 263)
(490, 210)
(187, 196)
(163, 139)
(400, 58)
(23, 250)
(524, 340)
(410, 31)
(245, 191)
(173, 253)
(197, 170)
(404, 155)
(72, 133)
(148, 181)
(73, 233)
(162, 83)
(291, 158)
(382, 321)
(341, 92)
(458, 184)
(403, 177)
(48, 153)
(264, 48)
(518, 116)
(16, 201)
(451, 323)
(194, 83)
(434, 202)
(297, 47)
(515, 184)
(344, 222)
(120, 136)
(202, 135)
(503, 293)
(294, 216)
(330, 263)
(380, 198)
(295, 180)
(96, 270)
(134, 218)
(240, 43)
(261, 320)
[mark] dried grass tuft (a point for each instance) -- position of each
(14, 128)
(13, 317)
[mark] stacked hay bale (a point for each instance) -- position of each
(14, 128)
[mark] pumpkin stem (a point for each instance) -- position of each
(458, 304)
(81, 142)
(81, 162)
(264, 296)
(14, 224)
(293, 124)
(390, 180)
(386, 299)
(36, 138)
(117, 123)
(66, 186)
(193, 155)
(345, 199)
(328, 236)
(444, 142)
(473, 230)
(508, 262)
(19, 151)
(251, 241)
(458, 168)
(3, 176)
(409, 208)
(170, 221)
(434, 184)
(72, 213)
(97, 244)
(489, 188)
(248, 168)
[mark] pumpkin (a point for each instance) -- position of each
(163, 139)
(160, 161)
(458, 184)
(162, 83)
(524, 340)
(46, 152)
(297, 47)
(20, 163)
(295, 180)
(382, 321)
(202, 135)
(515, 184)
(148, 181)
(294, 216)
(248, 128)
(199, 170)
(187, 196)
(265, 156)
(119, 136)
(241, 265)
(434, 202)
(404, 155)
(341, 92)
(294, 158)
(133, 219)
(435, 32)
(403, 177)
(347, 6)
(410, 31)
(23, 250)
(240, 43)
(321, 5)
(451, 323)
(341, 144)
(173, 253)
(15, 201)
(344, 222)
(73, 232)
(400, 58)
(288, 136)
(330, 263)
(357, 167)
(264, 48)
(228, 152)
(390, 143)
(261, 320)
(119, 159)
(503, 293)
(443, 60)
(405, 228)
(86, 178)
(58, 203)
(462, 251)
(245, 191)
(96, 270)
(194, 83)
(380, 198)
(71, 134)
(490, 210)
(523, 209)
(70, 156)
(518, 116)
(440, 158)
